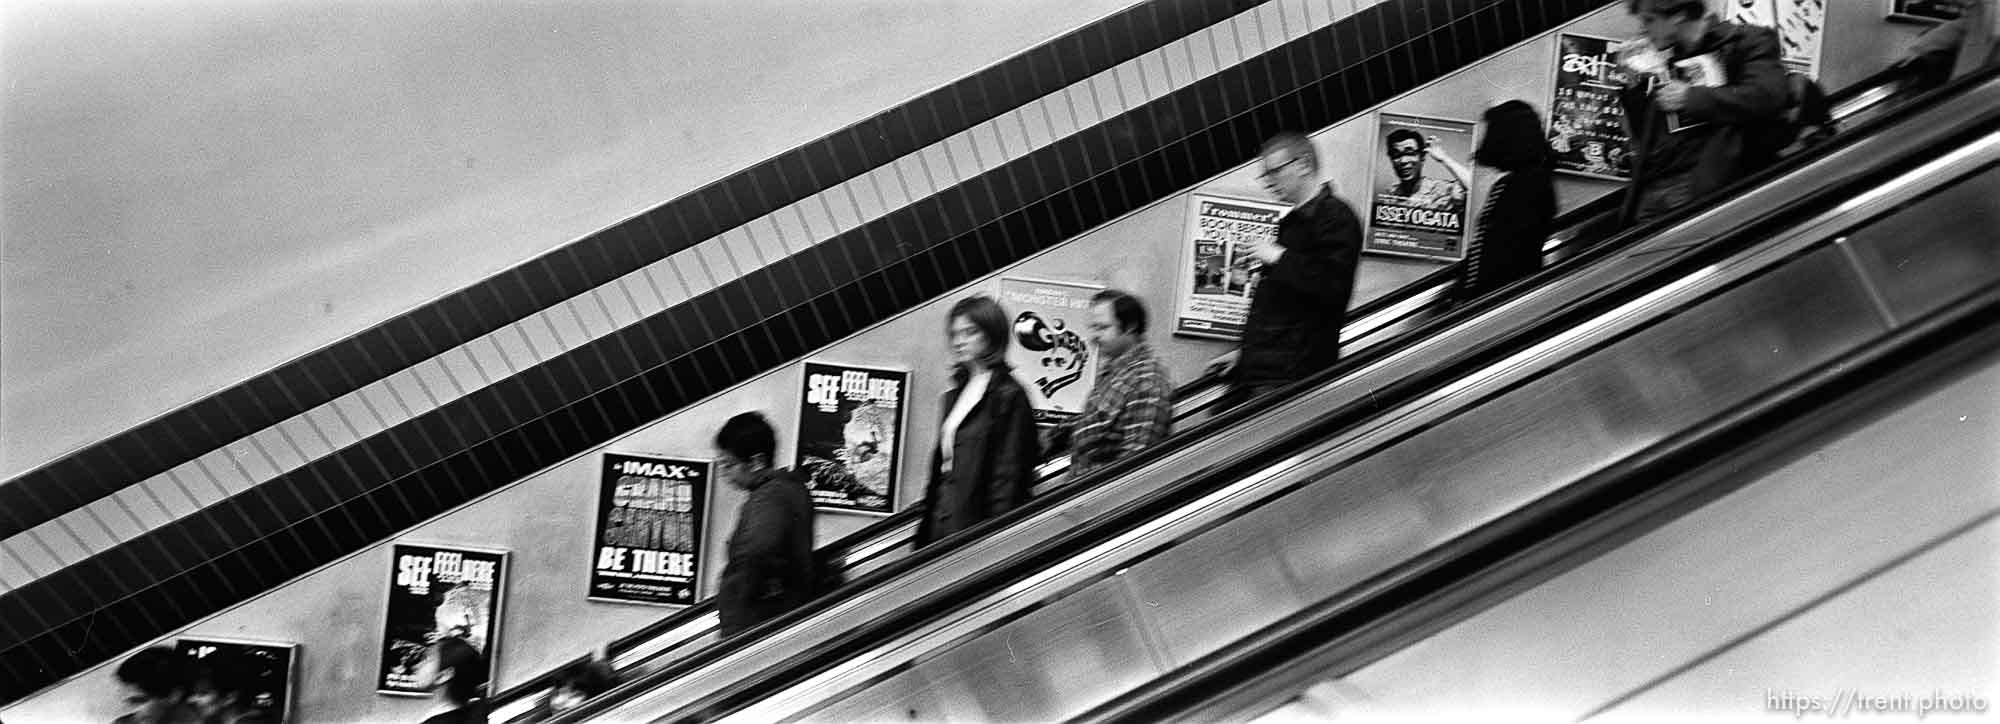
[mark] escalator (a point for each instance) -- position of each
(907, 644)
(1793, 553)
(415, 418)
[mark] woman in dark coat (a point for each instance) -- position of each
(985, 460)
(1520, 209)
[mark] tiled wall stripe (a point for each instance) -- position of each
(398, 398)
(201, 427)
(114, 600)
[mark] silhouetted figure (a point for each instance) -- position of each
(1520, 209)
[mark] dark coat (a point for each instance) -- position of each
(1519, 215)
(1744, 118)
(993, 458)
(770, 565)
(1300, 303)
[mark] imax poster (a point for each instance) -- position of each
(1586, 123)
(650, 514)
(1051, 356)
(851, 436)
(1422, 187)
(437, 593)
(1217, 271)
(267, 668)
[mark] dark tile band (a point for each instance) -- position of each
(201, 427)
(403, 476)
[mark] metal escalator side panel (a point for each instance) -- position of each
(1332, 633)
(1779, 314)
(1359, 384)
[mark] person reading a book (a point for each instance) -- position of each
(1705, 103)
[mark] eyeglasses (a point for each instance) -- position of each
(1269, 172)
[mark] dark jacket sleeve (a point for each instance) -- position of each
(1513, 229)
(753, 548)
(1321, 266)
(1755, 93)
(1014, 452)
(760, 531)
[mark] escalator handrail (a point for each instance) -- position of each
(1683, 262)
(1079, 565)
(1383, 610)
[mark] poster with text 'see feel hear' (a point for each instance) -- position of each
(435, 593)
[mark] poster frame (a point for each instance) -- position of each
(292, 649)
(701, 592)
(1555, 73)
(492, 652)
(1897, 11)
(1807, 66)
(1368, 222)
(1050, 418)
(902, 434)
(1183, 284)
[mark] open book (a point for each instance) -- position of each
(1702, 71)
(1641, 58)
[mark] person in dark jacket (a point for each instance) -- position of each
(458, 672)
(225, 690)
(1520, 209)
(154, 683)
(1726, 131)
(770, 566)
(987, 446)
(1300, 304)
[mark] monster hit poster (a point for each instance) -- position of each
(851, 436)
(650, 512)
(437, 593)
(1052, 358)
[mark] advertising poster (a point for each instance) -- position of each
(1421, 187)
(1923, 11)
(650, 514)
(1217, 272)
(1800, 24)
(1051, 356)
(851, 436)
(268, 667)
(436, 593)
(1586, 124)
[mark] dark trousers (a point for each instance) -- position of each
(1241, 392)
(1664, 195)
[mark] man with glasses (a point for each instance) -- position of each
(1299, 305)
(770, 565)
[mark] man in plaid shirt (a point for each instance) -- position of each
(1131, 405)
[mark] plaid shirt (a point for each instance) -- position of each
(1130, 408)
